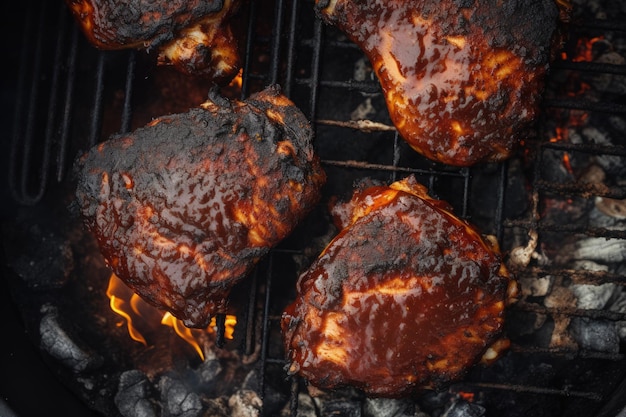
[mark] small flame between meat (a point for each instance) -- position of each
(132, 309)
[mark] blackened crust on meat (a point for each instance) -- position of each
(195, 37)
(406, 297)
(183, 208)
(114, 24)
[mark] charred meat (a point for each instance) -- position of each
(462, 79)
(195, 37)
(406, 297)
(184, 207)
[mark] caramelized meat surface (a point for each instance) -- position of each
(406, 297)
(195, 37)
(462, 79)
(184, 207)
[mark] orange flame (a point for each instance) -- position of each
(117, 304)
(184, 332)
(136, 309)
(561, 134)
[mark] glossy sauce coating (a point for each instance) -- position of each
(183, 208)
(462, 79)
(194, 36)
(406, 297)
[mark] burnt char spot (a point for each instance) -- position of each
(117, 24)
(202, 209)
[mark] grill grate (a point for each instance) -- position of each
(286, 44)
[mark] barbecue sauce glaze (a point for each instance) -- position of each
(462, 79)
(406, 297)
(184, 207)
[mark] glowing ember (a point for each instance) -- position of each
(467, 396)
(575, 87)
(138, 313)
(561, 134)
(584, 49)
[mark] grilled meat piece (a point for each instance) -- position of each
(462, 79)
(184, 207)
(195, 37)
(406, 297)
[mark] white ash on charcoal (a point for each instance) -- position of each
(590, 296)
(61, 342)
(599, 249)
(220, 386)
(610, 213)
(178, 398)
(363, 72)
(134, 395)
(210, 368)
(612, 164)
(245, 403)
(390, 407)
(593, 254)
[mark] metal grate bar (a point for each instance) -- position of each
(247, 58)
(291, 48)
(276, 42)
(314, 81)
(583, 189)
(584, 104)
(584, 66)
(603, 25)
(98, 102)
(265, 331)
(18, 181)
(590, 148)
(69, 104)
(568, 353)
(127, 111)
(577, 276)
(528, 389)
(570, 311)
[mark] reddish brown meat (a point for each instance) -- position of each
(184, 208)
(194, 36)
(406, 297)
(462, 79)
